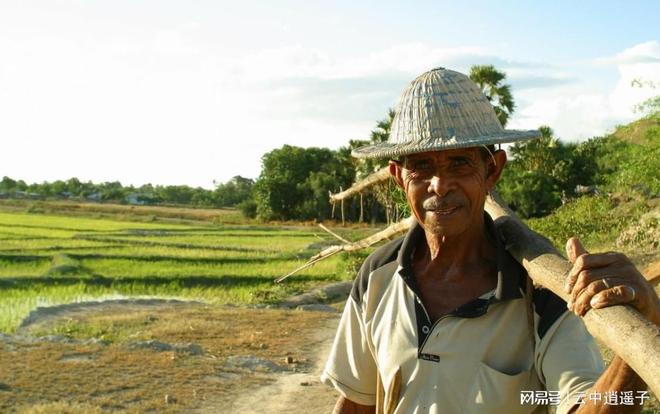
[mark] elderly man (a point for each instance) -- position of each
(438, 321)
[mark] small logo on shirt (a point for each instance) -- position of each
(430, 357)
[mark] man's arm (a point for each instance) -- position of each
(601, 280)
(346, 406)
(617, 377)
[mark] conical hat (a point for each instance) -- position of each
(442, 109)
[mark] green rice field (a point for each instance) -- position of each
(51, 259)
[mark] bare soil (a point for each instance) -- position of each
(167, 357)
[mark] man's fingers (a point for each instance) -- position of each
(580, 302)
(615, 296)
(587, 261)
(574, 249)
(590, 275)
(602, 293)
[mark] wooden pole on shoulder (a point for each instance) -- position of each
(624, 330)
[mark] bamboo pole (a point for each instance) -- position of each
(343, 221)
(380, 175)
(361, 209)
(387, 233)
(332, 215)
(332, 233)
(341, 202)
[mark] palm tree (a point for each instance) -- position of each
(489, 80)
(382, 131)
(539, 154)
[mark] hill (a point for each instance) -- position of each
(623, 211)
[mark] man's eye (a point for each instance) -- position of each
(422, 166)
(459, 162)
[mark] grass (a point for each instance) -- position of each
(126, 212)
(597, 220)
(48, 259)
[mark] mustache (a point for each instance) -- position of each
(437, 203)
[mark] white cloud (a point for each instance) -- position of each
(647, 52)
(585, 108)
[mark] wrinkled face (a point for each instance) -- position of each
(446, 190)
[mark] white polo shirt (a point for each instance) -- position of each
(476, 359)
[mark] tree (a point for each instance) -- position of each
(385, 201)
(544, 171)
(74, 186)
(537, 154)
(650, 107)
(175, 194)
(294, 182)
(489, 80)
(382, 131)
(7, 184)
(233, 192)
(112, 191)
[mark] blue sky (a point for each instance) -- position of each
(190, 92)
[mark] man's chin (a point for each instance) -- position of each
(441, 229)
(445, 223)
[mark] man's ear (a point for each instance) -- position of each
(395, 171)
(494, 167)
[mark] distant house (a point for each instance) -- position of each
(25, 194)
(135, 199)
(148, 198)
(94, 197)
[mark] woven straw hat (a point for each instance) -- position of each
(442, 109)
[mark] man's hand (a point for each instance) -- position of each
(606, 279)
(346, 406)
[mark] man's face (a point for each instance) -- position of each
(446, 190)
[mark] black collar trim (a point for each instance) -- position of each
(510, 274)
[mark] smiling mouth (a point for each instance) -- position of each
(445, 211)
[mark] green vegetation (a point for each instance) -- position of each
(544, 174)
(294, 182)
(597, 220)
(229, 194)
(624, 167)
(49, 260)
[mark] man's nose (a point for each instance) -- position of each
(438, 185)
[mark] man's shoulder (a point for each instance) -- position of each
(383, 256)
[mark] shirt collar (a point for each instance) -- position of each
(510, 274)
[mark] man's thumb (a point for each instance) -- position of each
(574, 249)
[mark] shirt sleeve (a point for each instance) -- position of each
(569, 360)
(351, 367)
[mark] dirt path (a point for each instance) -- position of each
(290, 393)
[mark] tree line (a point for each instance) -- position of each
(227, 194)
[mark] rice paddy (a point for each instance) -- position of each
(48, 259)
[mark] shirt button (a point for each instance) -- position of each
(425, 329)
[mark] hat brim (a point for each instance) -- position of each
(394, 150)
